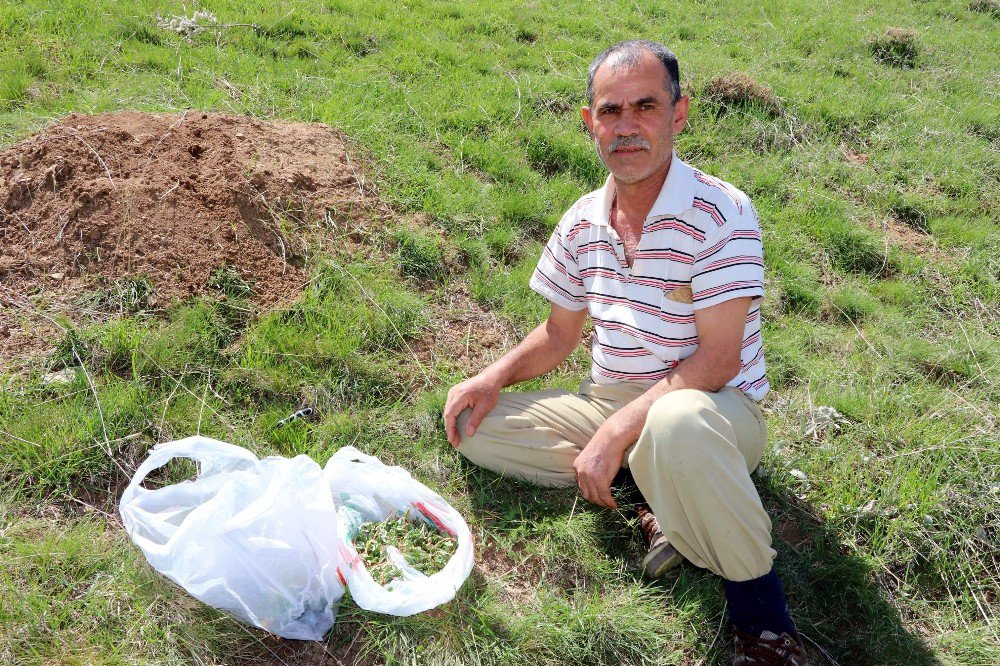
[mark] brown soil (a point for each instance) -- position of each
(343, 646)
(518, 577)
(92, 200)
(903, 235)
(791, 532)
(462, 335)
(854, 157)
(520, 573)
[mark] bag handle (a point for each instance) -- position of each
(214, 457)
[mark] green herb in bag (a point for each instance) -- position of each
(423, 546)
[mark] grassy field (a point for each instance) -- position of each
(873, 159)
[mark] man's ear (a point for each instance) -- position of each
(588, 120)
(681, 108)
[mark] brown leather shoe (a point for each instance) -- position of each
(769, 649)
(661, 557)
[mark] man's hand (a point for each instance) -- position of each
(713, 363)
(481, 393)
(542, 350)
(596, 467)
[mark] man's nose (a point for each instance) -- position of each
(627, 124)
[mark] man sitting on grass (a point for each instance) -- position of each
(668, 263)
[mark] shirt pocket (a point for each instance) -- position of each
(677, 321)
(676, 306)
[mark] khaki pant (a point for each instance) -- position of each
(692, 462)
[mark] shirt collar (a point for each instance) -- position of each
(676, 195)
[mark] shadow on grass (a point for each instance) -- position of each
(834, 596)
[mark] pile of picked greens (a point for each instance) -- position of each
(422, 545)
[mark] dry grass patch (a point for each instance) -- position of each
(896, 47)
(991, 7)
(913, 216)
(462, 335)
(739, 90)
(902, 234)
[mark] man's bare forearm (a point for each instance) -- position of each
(541, 351)
(697, 371)
(603, 455)
(709, 368)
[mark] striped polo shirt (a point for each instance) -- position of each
(700, 246)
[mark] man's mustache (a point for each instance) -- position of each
(631, 141)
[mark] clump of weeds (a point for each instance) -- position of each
(991, 7)
(739, 90)
(127, 296)
(227, 280)
(896, 47)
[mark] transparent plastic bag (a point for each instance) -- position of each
(254, 538)
(364, 489)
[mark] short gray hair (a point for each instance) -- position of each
(629, 53)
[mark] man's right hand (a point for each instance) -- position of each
(542, 350)
(481, 393)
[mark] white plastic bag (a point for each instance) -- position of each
(364, 489)
(255, 538)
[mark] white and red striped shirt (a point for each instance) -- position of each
(701, 238)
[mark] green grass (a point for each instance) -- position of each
(470, 115)
(420, 254)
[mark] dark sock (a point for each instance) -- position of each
(625, 491)
(758, 605)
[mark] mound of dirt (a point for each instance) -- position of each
(93, 200)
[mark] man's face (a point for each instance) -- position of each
(632, 120)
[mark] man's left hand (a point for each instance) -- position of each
(596, 467)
